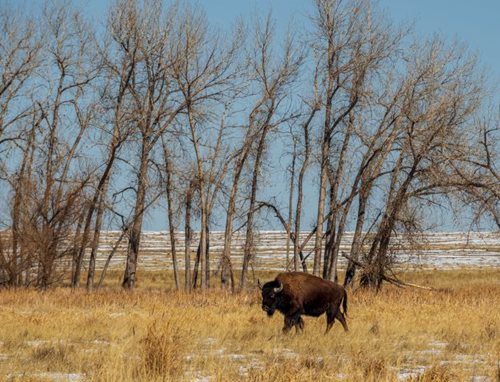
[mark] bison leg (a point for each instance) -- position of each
(294, 320)
(340, 316)
(288, 324)
(300, 324)
(330, 318)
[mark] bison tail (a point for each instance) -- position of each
(344, 303)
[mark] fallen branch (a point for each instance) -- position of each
(390, 280)
(402, 283)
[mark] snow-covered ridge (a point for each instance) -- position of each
(435, 249)
(431, 250)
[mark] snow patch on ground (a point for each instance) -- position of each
(51, 376)
(445, 250)
(286, 353)
(409, 373)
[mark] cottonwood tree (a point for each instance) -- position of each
(354, 45)
(20, 56)
(205, 70)
(442, 94)
(154, 100)
(276, 78)
(50, 188)
(314, 107)
(69, 51)
(170, 199)
(119, 57)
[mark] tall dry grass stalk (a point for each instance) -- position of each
(449, 334)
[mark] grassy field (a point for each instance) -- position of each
(151, 334)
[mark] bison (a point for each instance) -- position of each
(296, 293)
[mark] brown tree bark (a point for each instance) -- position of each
(249, 238)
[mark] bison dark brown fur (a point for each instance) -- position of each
(296, 293)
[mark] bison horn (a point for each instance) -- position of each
(279, 289)
(259, 284)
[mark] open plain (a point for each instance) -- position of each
(450, 333)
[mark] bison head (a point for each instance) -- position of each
(271, 292)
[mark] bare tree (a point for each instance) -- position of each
(441, 96)
(205, 72)
(154, 99)
(291, 189)
(20, 53)
(119, 59)
(275, 77)
(353, 44)
(54, 203)
(334, 24)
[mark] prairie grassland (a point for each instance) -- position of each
(150, 334)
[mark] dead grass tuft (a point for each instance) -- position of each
(456, 345)
(374, 328)
(313, 363)
(370, 367)
(490, 331)
(51, 353)
(162, 351)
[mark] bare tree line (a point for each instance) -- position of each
(100, 125)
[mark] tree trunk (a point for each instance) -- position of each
(95, 239)
(373, 275)
(127, 68)
(227, 270)
(338, 231)
(100, 192)
(170, 215)
(203, 200)
(297, 252)
(290, 205)
(207, 254)
(129, 276)
(187, 239)
(76, 241)
(21, 184)
(331, 233)
(357, 240)
(196, 268)
(110, 256)
(321, 209)
(249, 240)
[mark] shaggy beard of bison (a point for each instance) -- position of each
(268, 310)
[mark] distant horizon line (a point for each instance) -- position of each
(166, 231)
(305, 231)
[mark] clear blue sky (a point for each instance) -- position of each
(476, 23)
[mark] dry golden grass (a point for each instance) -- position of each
(451, 334)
